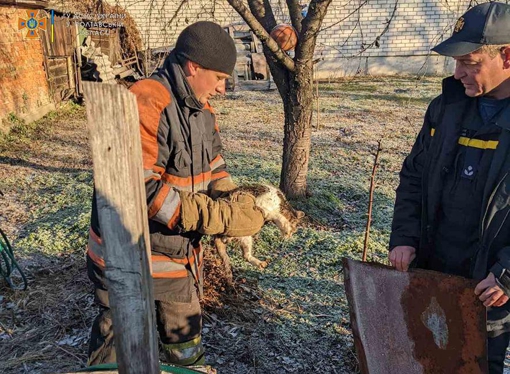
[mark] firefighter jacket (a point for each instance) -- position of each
(181, 150)
(422, 182)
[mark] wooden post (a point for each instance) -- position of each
(71, 74)
(79, 89)
(118, 176)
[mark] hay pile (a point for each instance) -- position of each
(130, 39)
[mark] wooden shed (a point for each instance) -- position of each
(63, 49)
(61, 65)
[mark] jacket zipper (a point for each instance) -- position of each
(486, 211)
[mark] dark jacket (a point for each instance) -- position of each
(181, 150)
(422, 178)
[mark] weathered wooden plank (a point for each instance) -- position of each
(63, 44)
(56, 60)
(77, 75)
(58, 70)
(116, 152)
(59, 83)
(71, 73)
(259, 65)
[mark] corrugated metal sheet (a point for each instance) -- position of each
(415, 322)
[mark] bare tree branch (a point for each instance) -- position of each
(174, 16)
(263, 12)
(377, 40)
(358, 23)
(311, 26)
(213, 9)
(262, 34)
(375, 43)
(295, 14)
(344, 18)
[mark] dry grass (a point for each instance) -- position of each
(45, 328)
(289, 318)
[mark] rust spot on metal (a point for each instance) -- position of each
(415, 322)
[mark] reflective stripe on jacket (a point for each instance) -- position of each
(162, 266)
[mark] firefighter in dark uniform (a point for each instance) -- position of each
(182, 163)
(453, 201)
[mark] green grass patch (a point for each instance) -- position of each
(59, 213)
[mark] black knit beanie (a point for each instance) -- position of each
(207, 44)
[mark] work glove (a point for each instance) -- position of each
(237, 217)
(220, 188)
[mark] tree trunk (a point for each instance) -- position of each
(296, 91)
(294, 79)
(298, 107)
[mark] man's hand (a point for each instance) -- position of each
(490, 293)
(401, 256)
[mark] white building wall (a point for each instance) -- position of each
(347, 40)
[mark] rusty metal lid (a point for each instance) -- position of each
(415, 322)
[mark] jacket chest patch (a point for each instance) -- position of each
(472, 158)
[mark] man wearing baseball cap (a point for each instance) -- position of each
(182, 163)
(452, 209)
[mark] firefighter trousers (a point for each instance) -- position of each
(178, 317)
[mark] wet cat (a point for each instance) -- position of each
(277, 210)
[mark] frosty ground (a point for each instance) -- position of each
(291, 317)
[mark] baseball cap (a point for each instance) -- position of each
(484, 24)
